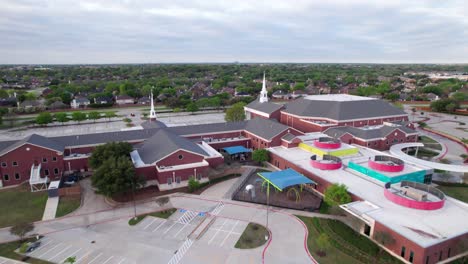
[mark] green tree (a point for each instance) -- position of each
(78, 116)
(450, 107)
(392, 97)
(235, 113)
(70, 260)
(337, 194)
(61, 117)
(193, 184)
(44, 118)
(21, 229)
(113, 149)
(94, 115)
(110, 115)
(116, 175)
(323, 242)
(3, 94)
(192, 107)
(260, 155)
(459, 96)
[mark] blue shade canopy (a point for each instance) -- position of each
(285, 178)
(236, 150)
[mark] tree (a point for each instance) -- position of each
(260, 155)
(61, 117)
(451, 107)
(3, 94)
(116, 175)
(459, 96)
(323, 242)
(192, 107)
(70, 260)
(235, 113)
(384, 238)
(337, 194)
(193, 184)
(21, 229)
(392, 97)
(113, 149)
(78, 116)
(162, 201)
(94, 115)
(110, 115)
(44, 118)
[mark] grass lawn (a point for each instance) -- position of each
(430, 143)
(21, 205)
(345, 245)
(457, 191)
(7, 250)
(252, 237)
(67, 205)
(163, 214)
(423, 153)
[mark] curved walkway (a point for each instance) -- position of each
(396, 150)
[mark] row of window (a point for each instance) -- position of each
(411, 256)
(15, 163)
(6, 177)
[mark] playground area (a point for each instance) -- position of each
(286, 189)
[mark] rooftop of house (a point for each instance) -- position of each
(370, 132)
(425, 228)
(266, 107)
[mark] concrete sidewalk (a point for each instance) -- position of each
(50, 208)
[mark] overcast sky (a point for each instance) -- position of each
(152, 31)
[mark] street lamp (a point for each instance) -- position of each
(134, 203)
(268, 206)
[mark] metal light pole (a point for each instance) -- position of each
(268, 206)
(134, 203)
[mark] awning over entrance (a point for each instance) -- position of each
(285, 178)
(236, 150)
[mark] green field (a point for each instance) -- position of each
(67, 205)
(458, 191)
(345, 245)
(21, 205)
(252, 237)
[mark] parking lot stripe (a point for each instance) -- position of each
(217, 232)
(108, 260)
(159, 225)
(82, 257)
(230, 232)
(120, 262)
(60, 252)
(70, 255)
(186, 224)
(50, 250)
(41, 247)
(149, 224)
(100, 254)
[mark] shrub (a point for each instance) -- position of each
(193, 184)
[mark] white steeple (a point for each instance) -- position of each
(264, 92)
(152, 115)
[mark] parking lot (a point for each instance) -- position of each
(153, 240)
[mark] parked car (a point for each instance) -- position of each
(33, 246)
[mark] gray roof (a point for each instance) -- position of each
(381, 132)
(265, 128)
(153, 124)
(342, 110)
(163, 143)
(207, 128)
(102, 138)
(288, 137)
(33, 139)
(266, 107)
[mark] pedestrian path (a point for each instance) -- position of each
(50, 208)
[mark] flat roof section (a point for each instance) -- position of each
(425, 228)
(338, 97)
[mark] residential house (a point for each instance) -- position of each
(124, 99)
(79, 102)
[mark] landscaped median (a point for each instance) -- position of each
(7, 250)
(331, 241)
(254, 236)
(161, 214)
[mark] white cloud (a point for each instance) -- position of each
(103, 31)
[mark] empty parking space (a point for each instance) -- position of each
(224, 232)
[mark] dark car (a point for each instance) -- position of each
(33, 246)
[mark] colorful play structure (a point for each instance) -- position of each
(285, 180)
(328, 146)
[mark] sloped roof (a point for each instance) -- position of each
(380, 132)
(33, 139)
(163, 143)
(265, 128)
(288, 137)
(358, 108)
(102, 138)
(153, 124)
(267, 107)
(207, 128)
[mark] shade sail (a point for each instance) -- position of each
(284, 178)
(236, 150)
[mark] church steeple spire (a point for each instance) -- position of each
(152, 115)
(264, 92)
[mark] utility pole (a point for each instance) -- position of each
(268, 206)
(134, 203)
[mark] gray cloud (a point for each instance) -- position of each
(111, 31)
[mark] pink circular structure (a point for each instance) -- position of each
(396, 196)
(386, 163)
(327, 143)
(328, 162)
